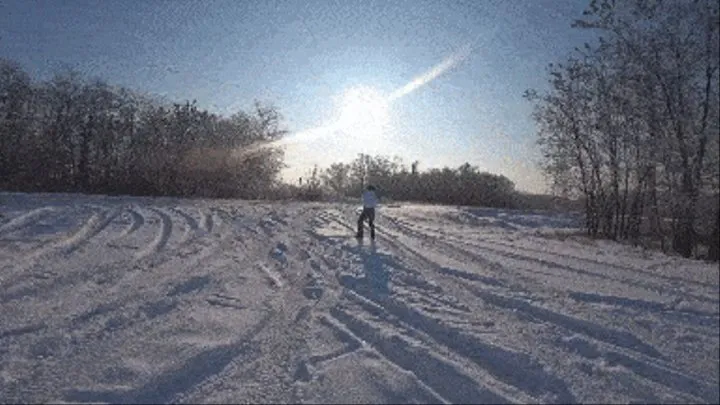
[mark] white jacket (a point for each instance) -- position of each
(369, 198)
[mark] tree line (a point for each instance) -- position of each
(464, 185)
(630, 123)
(71, 134)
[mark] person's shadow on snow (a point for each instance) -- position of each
(377, 277)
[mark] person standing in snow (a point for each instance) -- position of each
(370, 201)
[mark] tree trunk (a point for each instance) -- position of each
(684, 238)
(714, 241)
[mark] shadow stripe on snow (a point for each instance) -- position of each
(499, 362)
(402, 274)
(439, 374)
(615, 337)
(498, 264)
(669, 378)
(578, 261)
(168, 385)
(547, 259)
(693, 316)
(659, 374)
(517, 369)
(22, 330)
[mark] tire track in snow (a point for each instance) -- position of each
(90, 229)
(414, 278)
(117, 275)
(352, 342)
(226, 301)
(25, 219)
(146, 309)
(156, 252)
(581, 265)
(161, 238)
(560, 259)
(136, 234)
(688, 316)
(137, 222)
(191, 225)
(424, 230)
(657, 373)
(646, 362)
(119, 312)
(409, 278)
(619, 338)
(499, 264)
(18, 286)
(444, 379)
(413, 282)
(284, 344)
(133, 303)
(581, 261)
(552, 264)
(513, 368)
(518, 370)
(23, 330)
(170, 384)
(276, 259)
(188, 260)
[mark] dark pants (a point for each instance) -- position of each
(369, 214)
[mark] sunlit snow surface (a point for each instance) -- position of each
(122, 300)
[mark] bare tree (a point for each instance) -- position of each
(629, 122)
(15, 119)
(71, 134)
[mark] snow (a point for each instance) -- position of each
(123, 300)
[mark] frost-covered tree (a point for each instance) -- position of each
(75, 134)
(631, 123)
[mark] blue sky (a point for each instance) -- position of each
(302, 56)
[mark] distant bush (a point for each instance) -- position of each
(465, 185)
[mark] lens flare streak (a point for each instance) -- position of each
(419, 81)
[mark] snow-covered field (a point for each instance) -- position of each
(168, 300)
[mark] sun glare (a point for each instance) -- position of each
(363, 115)
(363, 112)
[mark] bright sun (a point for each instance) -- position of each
(363, 112)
